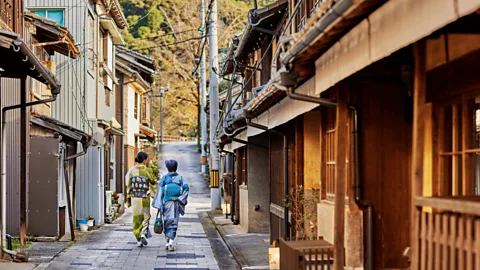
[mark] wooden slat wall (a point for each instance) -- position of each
(295, 169)
(385, 156)
(447, 241)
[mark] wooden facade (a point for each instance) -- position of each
(416, 94)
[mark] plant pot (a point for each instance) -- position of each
(83, 227)
(90, 223)
(81, 221)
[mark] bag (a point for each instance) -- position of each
(158, 225)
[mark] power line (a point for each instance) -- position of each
(146, 15)
(171, 44)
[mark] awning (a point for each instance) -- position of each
(322, 31)
(280, 113)
(68, 132)
(148, 132)
(51, 35)
(18, 61)
(284, 111)
(261, 23)
(372, 39)
(395, 25)
(143, 64)
(109, 24)
(116, 11)
(138, 67)
(112, 127)
(137, 78)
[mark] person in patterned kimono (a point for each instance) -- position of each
(141, 184)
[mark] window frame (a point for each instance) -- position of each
(47, 9)
(135, 105)
(455, 148)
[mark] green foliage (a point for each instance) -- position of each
(156, 171)
(169, 35)
(155, 20)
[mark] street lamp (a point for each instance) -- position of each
(162, 91)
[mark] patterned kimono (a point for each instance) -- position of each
(171, 202)
(141, 184)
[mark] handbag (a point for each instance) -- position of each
(158, 225)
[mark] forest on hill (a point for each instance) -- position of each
(168, 31)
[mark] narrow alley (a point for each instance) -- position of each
(114, 246)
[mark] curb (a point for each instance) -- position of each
(236, 254)
(213, 236)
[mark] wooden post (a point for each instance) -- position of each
(69, 202)
(418, 142)
(341, 143)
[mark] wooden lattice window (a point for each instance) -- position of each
(135, 108)
(458, 141)
(329, 119)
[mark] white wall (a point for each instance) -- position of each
(132, 123)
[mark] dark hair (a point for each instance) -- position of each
(141, 157)
(171, 165)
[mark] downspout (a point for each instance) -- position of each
(4, 159)
(286, 231)
(302, 97)
(359, 200)
(358, 193)
(232, 205)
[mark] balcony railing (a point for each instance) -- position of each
(447, 231)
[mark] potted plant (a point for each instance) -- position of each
(90, 221)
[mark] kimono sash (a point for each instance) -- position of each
(139, 186)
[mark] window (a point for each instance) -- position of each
(329, 120)
(458, 137)
(107, 96)
(55, 15)
(135, 110)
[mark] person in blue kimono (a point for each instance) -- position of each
(171, 201)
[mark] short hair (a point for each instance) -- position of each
(171, 165)
(141, 157)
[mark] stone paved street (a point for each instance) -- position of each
(114, 246)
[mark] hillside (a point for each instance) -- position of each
(168, 32)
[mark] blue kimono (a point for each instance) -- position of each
(171, 200)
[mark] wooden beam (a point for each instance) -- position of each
(418, 141)
(341, 143)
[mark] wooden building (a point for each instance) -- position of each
(136, 74)
(18, 63)
(375, 107)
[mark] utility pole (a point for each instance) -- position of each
(213, 95)
(203, 89)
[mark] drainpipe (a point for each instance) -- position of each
(4, 156)
(232, 204)
(358, 193)
(286, 231)
(296, 96)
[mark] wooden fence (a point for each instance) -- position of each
(306, 255)
(447, 233)
(167, 138)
